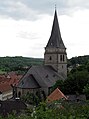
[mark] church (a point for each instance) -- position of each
(42, 78)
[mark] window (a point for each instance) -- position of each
(46, 76)
(63, 58)
(50, 58)
(60, 57)
(19, 94)
(22, 82)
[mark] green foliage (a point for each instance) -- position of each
(59, 84)
(62, 110)
(78, 60)
(86, 90)
(74, 83)
(56, 110)
(31, 98)
(78, 77)
(18, 63)
(2, 72)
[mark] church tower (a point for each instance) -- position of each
(55, 50)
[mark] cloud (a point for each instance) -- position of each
(17, 10)
(25, 26)
(23, 37)
(74, 30)
(28, 38)
(78, 3)
(26, 9)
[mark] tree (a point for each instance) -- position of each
(59, 84)
(86, 90)
(75, 82)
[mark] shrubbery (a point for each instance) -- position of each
(56, 110)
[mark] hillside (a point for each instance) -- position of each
(83, 60)
(22, 63)
(18, 63)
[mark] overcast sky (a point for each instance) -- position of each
(25, 26)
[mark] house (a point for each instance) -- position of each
(42, 78)
(8, 106)
(56, 95)
(6, 91)
(6, 83)
(76, 98)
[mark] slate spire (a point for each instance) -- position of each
(55, 39)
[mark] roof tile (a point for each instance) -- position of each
(56, 95)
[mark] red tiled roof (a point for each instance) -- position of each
(56, 95)
(5, 87)
(2, 78)
(6, 81)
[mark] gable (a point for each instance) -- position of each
(56, 95)
(28, 82)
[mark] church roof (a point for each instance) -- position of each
(28, 82)
(55, 39)
(42, 76)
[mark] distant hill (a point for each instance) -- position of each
(78, 60)
(18, 63)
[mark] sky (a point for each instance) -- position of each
(25, 26)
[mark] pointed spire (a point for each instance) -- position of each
(55, 39)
